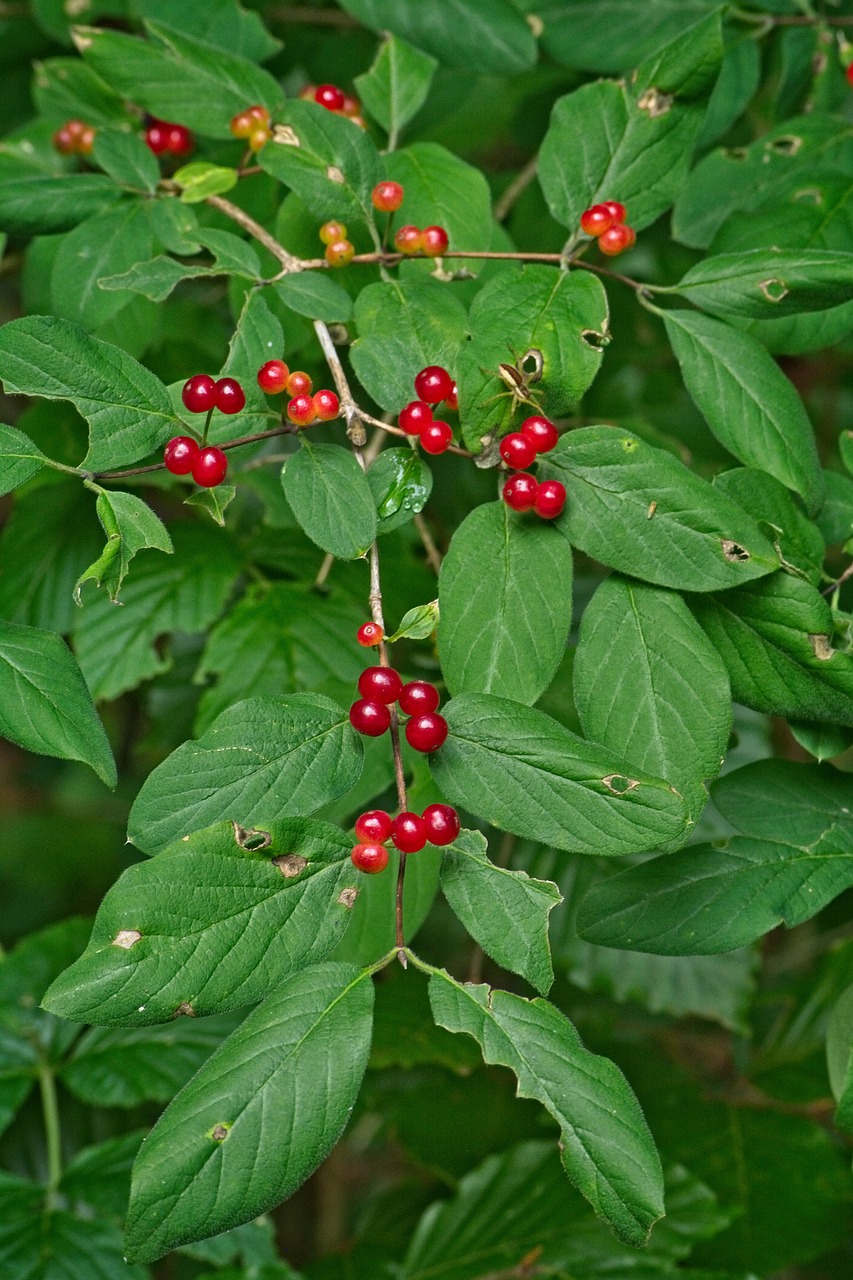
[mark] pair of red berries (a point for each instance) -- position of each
(438, 824)
(275, 377)
(74, 138)
(184, 456)
(606, 223)
(432, 385)
(203, 394)
(379, 687)
(161, 137)
(520, 448)
(432, 242)
(253, 124)
(523, 492)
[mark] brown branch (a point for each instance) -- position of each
(286, 429)
(833, 586)
(433, 554)
(236, 214)
(517, 187)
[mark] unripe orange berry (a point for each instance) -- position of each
(299, 383)
(332, 231)
(259, 138)
(409, 239)
(340, 253)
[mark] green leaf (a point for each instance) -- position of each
(401, 483)
(99, 1176)
(500, 633)
(648, 683)
(610, 35)
(418, 624)
(835, 518)
(259, 1116)
(371, 934)
(66, 88)
(506, 912)
(127, 158)
(130, 525)
(214, 501)
(56, 1244)
(176, 77)
(259, 758)
(839, 1058)
(823, 741)
(201, 179)
(443, 190)
(798, 804)
(639, 510)
(776, 639)
(313, 294)
(798, 542)
(523, 772)
(404, 326)
(19, 458)
(223, 23)
(763, 283)
(562, 315)
(157, 277)
(257, 338)
(602, 145)
(747, 401)
(106, 244)
(215, 922)
(329, 162)
(44, 703)
(489, 34)
(330, 497)
(127, 407)
(397, 84)
(606, 1148)
(41, 204)
(688, 66)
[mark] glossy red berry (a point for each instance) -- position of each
(180, 454)
(179, 140)
(435, 241)
(369, 634)
(301, 411)
(373, 826)
(436, 437)
(369, 717)
(517, 451)
(409, 240)
(550, 499)
(616, 240)
(230, 396)
(452, 398)
(299, 383)
(427, 732)
(849, 73)
(339, 253)
(616, 210)
(272, 377)
(332, 231)
(157, 138)
(209, 467)
(380, 684)
(596, 220)
(371, 858)
(326, 405)
(442, 824)
(415, 417)
(330, 97)
(541, 433)
(199, 393)
(520, 491)
(433, 384)
(409, 832)
(387, 196)
(86, 141)
(418, 696)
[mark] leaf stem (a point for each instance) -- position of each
(519, 184)
(53, 1138)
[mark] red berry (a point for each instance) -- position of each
(157, 137)
(433, 384)
(244, 124)
(199, 393)
(332, 231)
(179, 140)
(520, 491)
(299, 384)
(596, 220)
(374, 825)
(301, 411)
(435, 241)
(351, 107)
(850, 73)
(426, 732)
(442, 823)
(409, 832)
(272, 377)
(180, 454)
(617, 240)
(550, 499)
(369, 634)
(452, 398)
(418, 696)
(371, 858)
(209, 467)
(541, 433)
(330, 97)
(326, 405)
(616, 210)
(381, 684)
(409, 239)
(64, 141)
(339, 253)
(86, 141)
(369, 717)
(517, 451)
(436, 436)
(230, 396)
(387, 196)
(415, 417)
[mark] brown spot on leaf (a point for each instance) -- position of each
(787, 145)
(184, 1010)
(618, 784)
(655, 103)
(250, 839)
(334, 174)
(808, 195)
(290, 864)
(285, 136)
(734, 552)
(821, 648)
(219, 1132)
(347, 897)
(653, 506)
(774, 290)
(535, 23)
(126, 938)
(595, 338)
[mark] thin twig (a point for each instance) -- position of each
(236, 214)
(353, 416)
(325, 570)
(433, 554)
(833, 586)
(286, 429)
(298, 13)
(517, 187)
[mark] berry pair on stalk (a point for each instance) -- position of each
(432, 242)
(164, 137)
(74, 138)
(183, 455)
(305, 408)
(380, 688)
(438, 824)
(606, 223)
(432, 386)
(522, 491)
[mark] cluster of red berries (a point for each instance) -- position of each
(74, 138)
(253, 124)
(339, 250)
(438, 824)
(305, 408)
(606, 223)
(334, 100)
(183, 455)
(379, 687)
(522, 491)
(432, 242)
(162, 136)
(432, 386)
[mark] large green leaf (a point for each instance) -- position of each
(611, 35)
(489, 34)
(19, 458)
(130, 526)
(214, 923)
(506, 912)
(397, 84)
(640, 510)
(33, 203)
(443, 190)
(505, 598)
(606, 1147)
(330, 497)
(44, 703)
(127, 158)
(523, 772)
(747, 401)
(258, 1117)
(66, 87)
(791, 803)
(258, 759)
(127, 407)
(157, 277)
(797, 540)
(764, 283)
